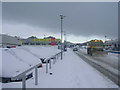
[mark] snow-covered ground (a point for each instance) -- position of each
(71, 72)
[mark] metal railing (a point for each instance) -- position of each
(23, 74)
(49, 63)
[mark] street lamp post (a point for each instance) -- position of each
(105, 38)
(44, 39)
(61, 17)
(105, 42)
(65, 41)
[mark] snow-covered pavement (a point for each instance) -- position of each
(71, 72)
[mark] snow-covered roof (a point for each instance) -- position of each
(42, 51)
(15, 61)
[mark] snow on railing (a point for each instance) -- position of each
(23, 74)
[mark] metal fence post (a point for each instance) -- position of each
(36, 76)
(46, 66)
(57, 56)
(53, 60)
(50, 64)
(24, 82)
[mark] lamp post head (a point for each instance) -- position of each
(62, 16)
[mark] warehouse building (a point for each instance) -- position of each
(113, 45)
(37, 41)
(6, 40)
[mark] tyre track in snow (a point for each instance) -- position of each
(107, 70)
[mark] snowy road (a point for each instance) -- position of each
(71, 72)
(110, 59)
(107, 63)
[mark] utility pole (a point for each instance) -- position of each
(45, 39)
(64, 36)
(105, 42)
(62, 17)
(105, 38)
(65, 41)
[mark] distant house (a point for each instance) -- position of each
(6, 40)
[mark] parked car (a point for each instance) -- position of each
(75, 49)
(8, 79)
(43, 60)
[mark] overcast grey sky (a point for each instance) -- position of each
(84, 21)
